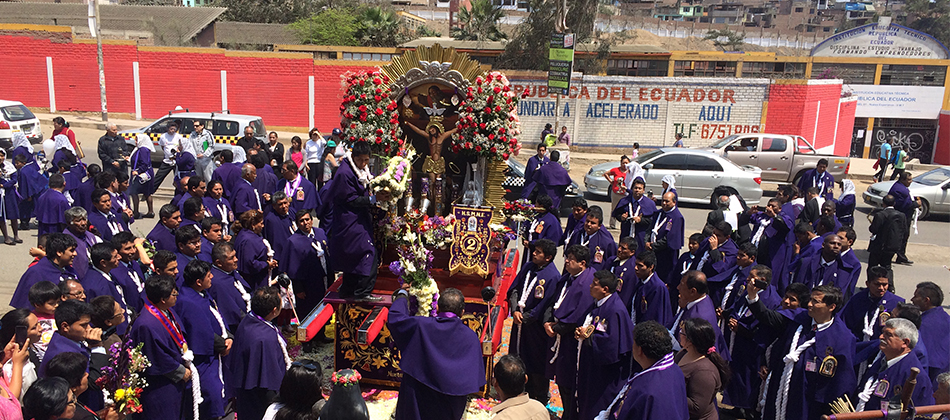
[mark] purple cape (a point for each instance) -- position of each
(9, 203)
(163, 238)
(306, 190)
(95, 285)
(552, 180)
(162, 399)
(603, 357)
(629, 283)
(861, 307)
(245, 197)
(265, 183)
(231, 304)
(81, 262)
(101, 223)
(813, 273)
(60, 344)
(824, 181)
(252, 257)
(550, 227)
(601, 241)
(902, 200)
(182, 261)
(141, 161)
(719, 283)
(571, 226)
(352, 229)
(50, 207)
(746, 347)
(200, 326)
(657, 394)
(528, 340)
(850, 262)
(646, 207)
(123, 278)
(181, 203)
(896, 375)
(229, 174)
(301, 263)
(669, 240)
(704, 309)
(576, 305)
(43, 270)
(30, 181)
(256, 360)
(781, 243)
(215, 207)
(651, 301)
(935, 333)
(277, 229)
(711, 267)
(533, 165)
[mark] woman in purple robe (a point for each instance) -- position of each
(258, 360)
(255, 256)
(9, 204)
(206, 334)
(217, 206)
(279, 223)
(545, 225)
(30, 184)
(306, 261)
(141, 182)
(22, 146)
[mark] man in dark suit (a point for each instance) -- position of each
(905, 203)
(887, 233)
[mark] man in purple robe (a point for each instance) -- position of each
(228, 288)
(813, 359)
(279, 223)
(651, 301)
(659, 389)
(188, 242)
(666, 238)
(809, 244)
(229, 173)
(31, 183)
(265, 182)
(575, 221)
(623, 266)
(57, 266)
(605, 342)
(746, 342)
(596, 238)
(725, 286)
(245, 197)
(72, 330)
(193, 212)
(863, 312)
(77, 227)
(818, 178)
(779, 243)
(128, 275)
(892, 368)
(194, 188)
(534, 163)
(546, 225)
(352, 229)
(99, 280)
(163, 234)
(552, 180)
(301, 192)
(158, 329)
(440, 357)
(206, 334)
(694, 302)
(848, 258)
(306, 260)
(258, 359)
(103, 218)
(717, 252)
(528, 298)
(51, 206)
(212, 232)
(635, 213)
(826, 268)
(572, 303)
(934, 327)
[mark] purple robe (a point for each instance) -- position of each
(570, 313)
(669, 228)
(30, 181)
(245, 197)
(626, 273)
(141, 161)
(43, 270)
(849, 260)
(935, 333)
(824, 181)
(182, 261)
(814, 273)
(902, 200)
(220, 209)
(862, 311)
(125, 276)
(200, 328)
(645, 208)
(60, 344)
(265, 183)
(9, 203)
(102, 224)
(896, 375)
(83, 245)
(654, 394)
(230, 301)
(50, 212)
(703, 309)
(96, 284)
(443, 358)
(163, 238)
(252, 258)
(304, 197)
(781, 244)
(528, 339)
(181, 204)
(22, 150)
(301, 263)
(552, 180)
(601, 242)
(534, 163)
(727, 285)
(651, 302)
(277, 229)
(256, 359)
(544, 226)
(711, 262)
(746, 346)
(570, 227)
(352, 228)
(206, 247)
(162, 399)
(603, 356)
(229, 174)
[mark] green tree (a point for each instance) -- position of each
(265, 11)
(732, 42)
(930, 17)
(528, 49)
(329, 27)
(479, 22)
(380, 28)
(426, 32)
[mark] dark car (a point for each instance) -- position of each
(514, 184)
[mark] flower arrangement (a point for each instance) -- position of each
(518, 211)
(121, 381)
(369, 114)
(345, 377)
(394, 178)
(436, 231)
(488, 121)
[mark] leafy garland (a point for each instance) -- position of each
(488, 119)
(368, 112)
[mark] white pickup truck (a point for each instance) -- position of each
(782, 158)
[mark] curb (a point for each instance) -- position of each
(100, 125)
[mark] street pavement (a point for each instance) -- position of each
(930, 248)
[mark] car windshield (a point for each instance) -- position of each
(934, 177)
(648, 155)
(724, 142)
(16, 113)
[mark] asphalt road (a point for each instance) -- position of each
(930, 248)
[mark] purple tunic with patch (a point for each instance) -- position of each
(252, 257)
(304, 197)
(528, 339)
(703, 309)
(105, 223)
(220, 209)
(746, 346)
(603, 357)
(245, 197)
(229, 174)
(265, 183)
(130, 278)
(601, 245)
(96, 284)
(725, 286)
(352, 229)
(651, 302)
(50, 211)
(162, 399)
(712, 263)
(781, 244)
(60, 344)
(863, 311)
(669, 228)
(570, 311)
(552, 180)
(230, 300)
(200, 328)
(442, 359)
(896, 374)
(162, 237)
(626, 273)
(813, 273)
(645, 208)
(43, 270)
(544, 226)
(301, 263)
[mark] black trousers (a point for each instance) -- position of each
(356, 285)
(902, 255)
(881, 169)
(568, 401)
(252, 403)
(160, 175)
(538, 386)
(315, 175)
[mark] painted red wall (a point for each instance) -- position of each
(942, 149)
(794, 109)
(845, 127)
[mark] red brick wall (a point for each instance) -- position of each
(794, 109)
(845, 127)
(785, 112)
(942, 149)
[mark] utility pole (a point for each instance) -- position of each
(96, 32)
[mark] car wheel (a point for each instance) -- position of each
(924, 209)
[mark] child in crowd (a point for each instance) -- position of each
(45, 297)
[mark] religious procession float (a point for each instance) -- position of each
(441, 129)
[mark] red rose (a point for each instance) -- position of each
(377, 81)
(501, 130)
(342, 108)
(497, 108)
(479, 89)
(379, 140)
(482, 126)
(379, 111)
(497, 89)
(379, 131)
(498, 78)
(363, 118)
(504, 155)
(478, 148)
(468, 109)
(377, 98)
(461, 104)
(491, 136)
(488, 110)
(506, 88)
(455, 148)
(468, 145)
(362, 83)
(362, 108)
(400, 142)
(493, 150)
(362, 96)
(353, 138)
(353, 126)
(478, 80)
(379, 91)
(508, 101)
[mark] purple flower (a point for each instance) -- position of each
(396, 268)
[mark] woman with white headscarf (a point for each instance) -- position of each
(844, 205)
(21, 146)
(634, 171)
(62, 149)
(141, 181)
(669, 184)
(9, 204)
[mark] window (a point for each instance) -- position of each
(705, 68)
(675, 161)
(776, 144)
(861, 74)
(799, 9)
(803, 146)
(773, 70)
(226, 128)
(258, 126)
(637, 67)
(913, 75)
(703, 163)
(826, 29)
(16, 113)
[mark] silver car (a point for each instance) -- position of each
(697, 175)
(932, 188)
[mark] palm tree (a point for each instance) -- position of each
(380, 28)
(479, 22)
